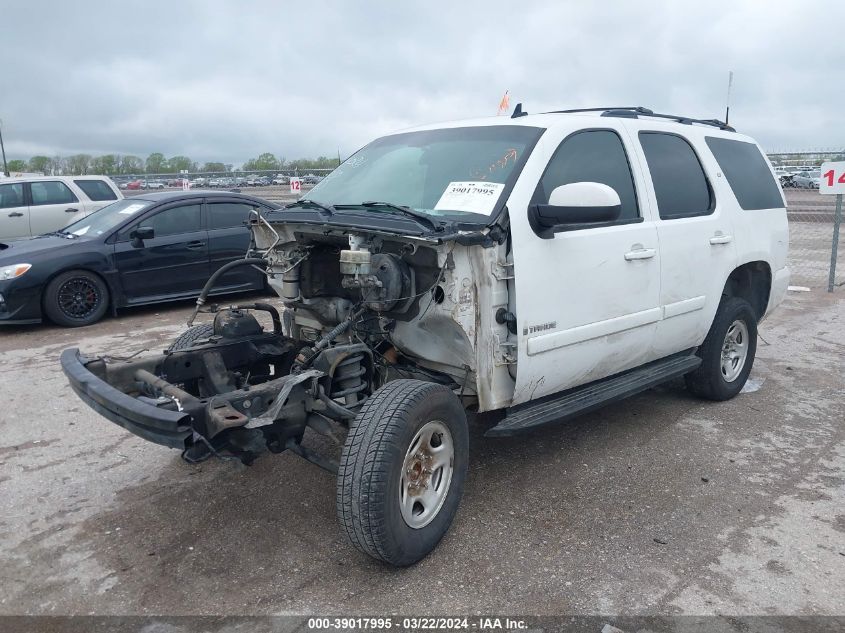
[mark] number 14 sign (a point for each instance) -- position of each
(833, 178)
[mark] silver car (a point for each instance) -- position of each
(807, 179)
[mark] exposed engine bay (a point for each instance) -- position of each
(358, 309)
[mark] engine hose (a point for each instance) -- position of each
(266, 307)
(249, 261)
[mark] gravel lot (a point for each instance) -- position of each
(662, 504)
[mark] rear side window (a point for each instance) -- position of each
(591, 156)
(51, 192)
(11, 195)
(680, 185)
(227, 214)
(96, 190)
(747, 173)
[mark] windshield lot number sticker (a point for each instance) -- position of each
(475, 197)
(833, 178)
(295, 185)
(132, 208)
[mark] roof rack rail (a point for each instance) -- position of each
(634, 112)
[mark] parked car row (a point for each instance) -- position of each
(147, 184)
(217, 182)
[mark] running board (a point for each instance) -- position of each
(563, 406)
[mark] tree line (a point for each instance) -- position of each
(156, 163)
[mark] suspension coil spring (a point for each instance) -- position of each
(348, 379)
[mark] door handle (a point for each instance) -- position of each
(15, 214)
(195, 244)
(721, 239)
(71, 210)
(640, 253)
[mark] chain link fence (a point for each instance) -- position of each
(811, 229)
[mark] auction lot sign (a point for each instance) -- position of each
(833, 183)
(833, 178)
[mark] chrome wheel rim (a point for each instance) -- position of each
(426, 474)
(78, 298)
(734, 350)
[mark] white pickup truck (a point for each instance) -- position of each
(543, 265)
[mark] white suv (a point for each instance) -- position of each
(540, 265)
(36, 205)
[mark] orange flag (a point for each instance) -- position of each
(504, 104)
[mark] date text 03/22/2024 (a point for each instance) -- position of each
(417, 624)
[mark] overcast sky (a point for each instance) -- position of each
(227, 81)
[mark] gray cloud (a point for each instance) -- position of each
(225, 81)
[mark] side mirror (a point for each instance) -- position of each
(575, 206)
(140, 234)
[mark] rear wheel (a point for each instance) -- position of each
(402, 471)
(76, 298)
(727, 353)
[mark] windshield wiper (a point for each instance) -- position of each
(305, 203)
(422, 218)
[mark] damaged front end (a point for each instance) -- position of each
(238, 391)
(359, 308)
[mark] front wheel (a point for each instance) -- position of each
(76, 298)
(402, 471)
(727, 353)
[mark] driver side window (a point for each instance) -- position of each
(173, 221)
(591, 156)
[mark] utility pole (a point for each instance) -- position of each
(3, 150)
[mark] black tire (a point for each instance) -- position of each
(368, 483)
(76, 298)
(708, 381)
(190, 336)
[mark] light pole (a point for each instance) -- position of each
(3, 150)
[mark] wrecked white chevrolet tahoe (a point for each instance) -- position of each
(542, 265)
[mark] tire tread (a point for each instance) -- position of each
(362, 478)
(190, 336)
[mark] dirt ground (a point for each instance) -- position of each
(663, 504)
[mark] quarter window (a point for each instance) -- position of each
(680, 185)
(227, 214)
(96, 190)
(591, 156)
(51, 192)
(11, 195)
(747, 172)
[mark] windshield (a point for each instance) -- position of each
(460, 172)
(107, 218)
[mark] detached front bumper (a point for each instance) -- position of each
(168, 428)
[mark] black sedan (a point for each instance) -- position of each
(147, 249)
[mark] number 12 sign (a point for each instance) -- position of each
(833, 178)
